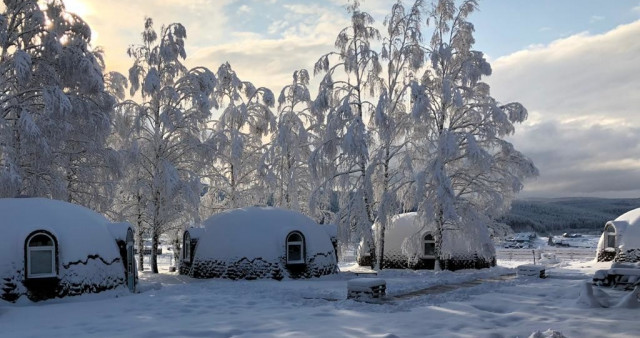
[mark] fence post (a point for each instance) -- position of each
(534, 256)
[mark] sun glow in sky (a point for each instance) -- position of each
(574, 64)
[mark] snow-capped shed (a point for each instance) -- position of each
(409, 243)
(55, 249)
(259, 242)
(620, 240)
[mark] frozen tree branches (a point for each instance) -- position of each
(170, 124)
(237, 138)
(286, 158)
(341, 156)
(55, 108)
(465, 171)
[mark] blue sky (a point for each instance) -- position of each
(573, 63)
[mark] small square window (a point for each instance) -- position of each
(295, 252)
(41, 262)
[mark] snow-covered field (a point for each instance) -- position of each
(494, 305)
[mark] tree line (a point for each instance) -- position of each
(401, 120)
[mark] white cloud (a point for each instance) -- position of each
(596, 18)
(582, 94)
(244, 9)
(119, 23)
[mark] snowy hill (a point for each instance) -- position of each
(559, 214)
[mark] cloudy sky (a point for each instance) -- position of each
(575, 64)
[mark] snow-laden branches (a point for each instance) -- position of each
(234, 177)
(466, 172)
(55, 109)
(168, 146)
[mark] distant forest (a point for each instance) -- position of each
(562, 214)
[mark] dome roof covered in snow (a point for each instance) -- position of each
(256, 238)
(84, 251)
(455, 241)
(628, 224)
(626, 229)
(409, 242)
(79, 230)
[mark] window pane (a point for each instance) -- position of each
(428, 237)
(41, 240)
(295, 252)
(429, 249)
(41, 262)
(295, 238)
(611, 241)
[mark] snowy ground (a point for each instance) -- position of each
(173, 305)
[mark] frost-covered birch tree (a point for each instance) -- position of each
(90, 168)
(170, 122)
(466, 172)
(286, 159)
(404, 56)
(55, 110)
(237, 138)
(341, 155)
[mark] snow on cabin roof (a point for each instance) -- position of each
(195, 232)
(628, 229)
(79, 231)
(258, 232)
(631, 218)
(331, 229)
(119, 230)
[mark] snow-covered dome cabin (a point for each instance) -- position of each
(55, 249)
(409, 243)
(258, 242)
(620, 240)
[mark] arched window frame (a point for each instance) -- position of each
(428, 239)
(610, 236)
(291, 243)
(29, 250)
(186, 247)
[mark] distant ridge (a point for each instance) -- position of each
(558, 214)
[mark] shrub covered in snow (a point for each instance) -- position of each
(54, 249)
(259, 242)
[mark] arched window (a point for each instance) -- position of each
(295, 248)
(429, 245)
(41, 256)
(186, 247)
(610, 236)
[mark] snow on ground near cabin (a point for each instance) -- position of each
(173, 305)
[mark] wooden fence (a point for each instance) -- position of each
(577, 254)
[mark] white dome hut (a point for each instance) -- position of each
(620, 240)
(258, 242)
(409, 243)
(53, 249)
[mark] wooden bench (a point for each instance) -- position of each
(529, 270)
(366, 288)
(365, 273)
(623, 276)
(627, 275)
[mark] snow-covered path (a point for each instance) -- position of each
(178, 306)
